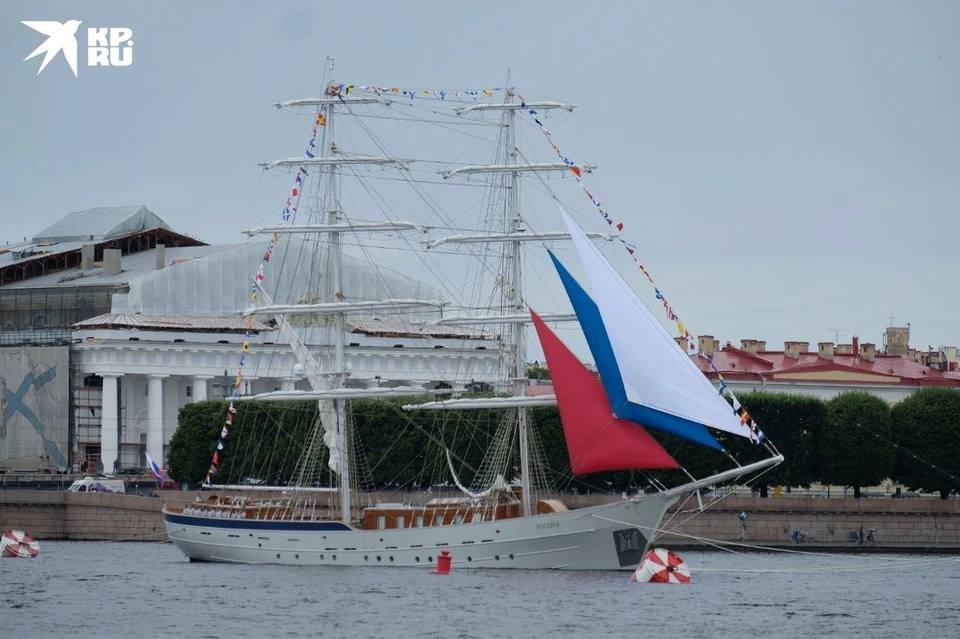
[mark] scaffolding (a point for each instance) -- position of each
(87, 415)
(42, 316)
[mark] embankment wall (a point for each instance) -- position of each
(899, 523)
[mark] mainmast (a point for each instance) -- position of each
(513, 235)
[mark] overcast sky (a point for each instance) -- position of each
(786, 168)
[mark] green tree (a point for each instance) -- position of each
(926, 427)
(264, 441)
(193, 443)
(536, 371)
(855, 449)
(793, 423)
(394, 445)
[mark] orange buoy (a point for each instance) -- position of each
(443, 564)
(16, 543)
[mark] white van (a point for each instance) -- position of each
(98, 485)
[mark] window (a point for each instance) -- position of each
(418, 522)
(381, 522)
(401, 521)
(189, 391)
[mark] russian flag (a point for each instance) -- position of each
(155, 469)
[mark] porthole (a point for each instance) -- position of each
(334, 557)
(321, 557)
(497, 557)
(430, 559)
(511, 556)
(418, 559)
(469, 558)
(278, 555)
(366, 557)
(379, 558)
(296, 556)
(391, 557)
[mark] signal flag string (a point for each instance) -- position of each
(289, 211)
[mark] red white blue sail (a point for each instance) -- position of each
(648, 378)
(596, 439)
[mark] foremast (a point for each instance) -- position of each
(329, 385)
(513, 292)
(334, 282)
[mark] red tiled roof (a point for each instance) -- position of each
(537, 390)
(734, 363)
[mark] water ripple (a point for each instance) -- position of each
(103, 590)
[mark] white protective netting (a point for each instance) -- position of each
(220, 284)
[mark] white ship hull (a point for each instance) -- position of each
(609, 537)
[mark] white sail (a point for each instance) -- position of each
(655, 372)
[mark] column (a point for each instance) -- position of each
(109, 423)
(155, 417)
(288, 383)
(200, 387)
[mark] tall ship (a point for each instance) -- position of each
(497, 222)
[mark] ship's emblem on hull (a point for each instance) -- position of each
(630, 545)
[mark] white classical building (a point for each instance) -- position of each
(174, 332)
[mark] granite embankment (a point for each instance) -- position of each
(899, 524)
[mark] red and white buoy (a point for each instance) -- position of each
(16, 543)
(443, 563)
(662, 567)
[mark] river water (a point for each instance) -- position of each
(104, 590)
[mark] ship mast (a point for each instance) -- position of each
(328, 380)
(334, 284)
(514, 318)
(513, 293)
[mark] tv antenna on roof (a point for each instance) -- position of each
(836, 334)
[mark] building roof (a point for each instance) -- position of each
(219, 324)
(55, 255)
(539, 390)
(132, 265)
(377, 327)
(100, 223)
(734, 363)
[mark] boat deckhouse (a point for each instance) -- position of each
(153, 319)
